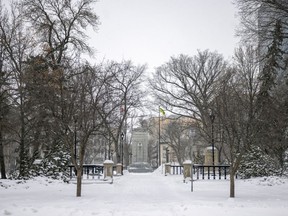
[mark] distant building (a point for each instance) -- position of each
(189, 144)
(139, 146)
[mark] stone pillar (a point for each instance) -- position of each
(167, 169)
(118, 169)
(187, 169)
(108, 168)
(209, 156)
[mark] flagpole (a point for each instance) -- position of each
(159, 148)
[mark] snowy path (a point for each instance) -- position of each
(144, 195)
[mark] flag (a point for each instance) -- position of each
(162, 111)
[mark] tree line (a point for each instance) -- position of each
(245, 99)
(52, 100)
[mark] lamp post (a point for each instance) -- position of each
(75, 140)
(130, 158)
(122, 150)
(212, 117)
(159, 139)
(167, 155)
(75, 145)
(111, 155)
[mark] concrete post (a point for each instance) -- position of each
(118, 169)
(187, 169)
(167, 169)
(108, 168)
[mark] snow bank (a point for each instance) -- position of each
(145, 195)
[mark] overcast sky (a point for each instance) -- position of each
(151, 31)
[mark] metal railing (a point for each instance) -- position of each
(204, 171)
(89, 170)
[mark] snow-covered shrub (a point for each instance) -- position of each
(256, 163)
(286, 163)
(54, 165)
(22, 172)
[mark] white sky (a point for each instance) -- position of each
(151, 31)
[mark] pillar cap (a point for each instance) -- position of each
(210, 148)
(108, 162)
(187, 162)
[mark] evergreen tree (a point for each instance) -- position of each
(257, 163)
(54, 164)
(272, 66)
(272, 114)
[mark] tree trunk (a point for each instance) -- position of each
(2, 160)
(232, 183)
(118, 157)
(79, 181)
(22, 153)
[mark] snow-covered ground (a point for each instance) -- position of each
(145, 194)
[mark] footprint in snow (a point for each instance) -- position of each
(7, 212)
(34, 210)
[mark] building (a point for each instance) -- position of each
(179, 140)
(139, 146)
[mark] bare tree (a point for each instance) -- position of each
(123, 95)
(177, 135)
(80, 120)
(187, 86)
(60, 26)
(44, 65)
(4, 109)
(196, 86)
(18, 46)
(3, 104)
(235, 109)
